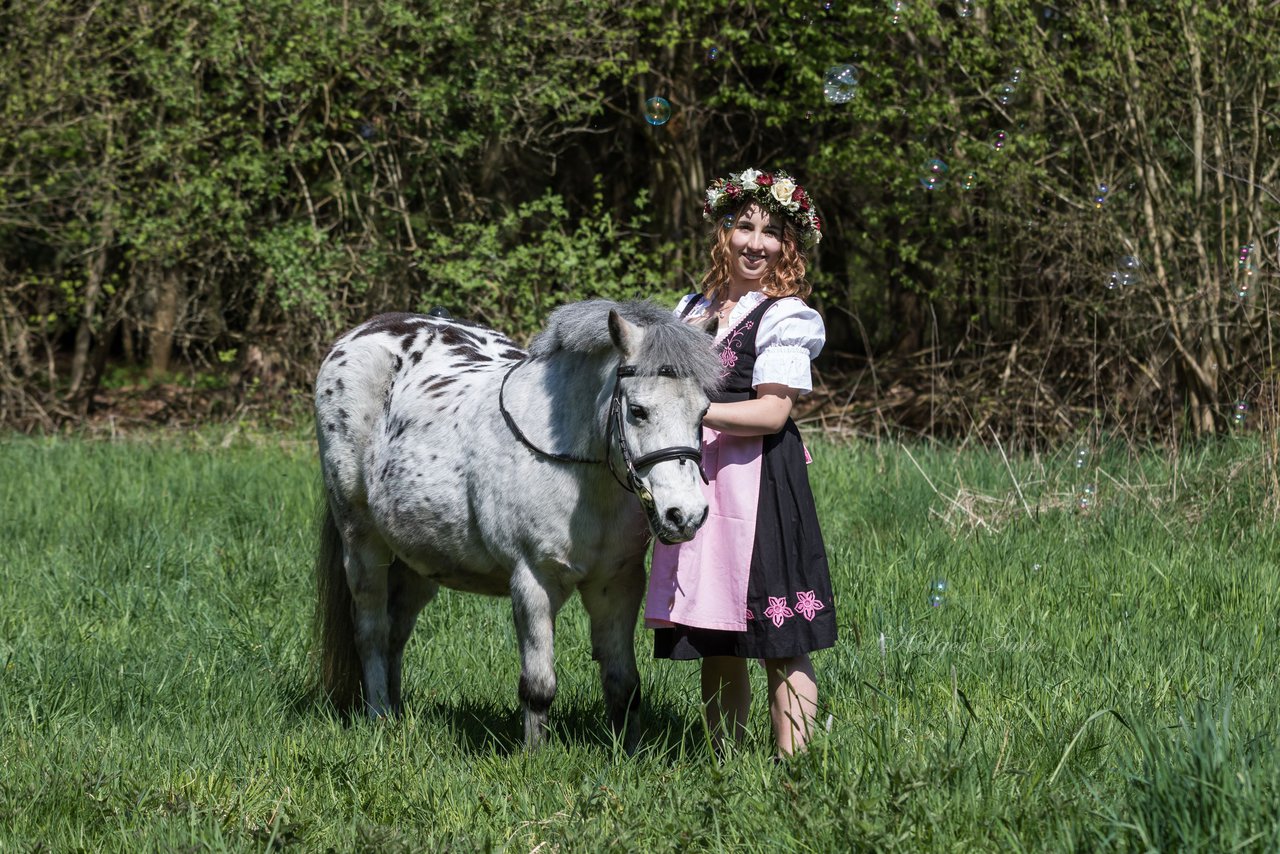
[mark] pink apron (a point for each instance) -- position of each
(703, 583)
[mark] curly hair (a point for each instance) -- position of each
(784, 279)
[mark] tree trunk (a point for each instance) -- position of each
(93, 291)
(167, 300)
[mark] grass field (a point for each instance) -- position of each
(1093, 680)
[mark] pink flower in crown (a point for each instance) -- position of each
(807, 604)
(778, 610)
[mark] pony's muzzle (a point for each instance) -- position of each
(679, 526)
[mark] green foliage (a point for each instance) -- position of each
(513, 271)
(270, 172)
(1099, 681)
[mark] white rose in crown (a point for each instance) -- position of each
(782, 189)
(748, 178)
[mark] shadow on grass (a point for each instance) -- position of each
(480, 727)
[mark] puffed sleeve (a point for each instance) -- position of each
(701, 305)
(791, 335)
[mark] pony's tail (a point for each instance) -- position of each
(334, 630)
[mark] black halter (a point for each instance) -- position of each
(613, 428)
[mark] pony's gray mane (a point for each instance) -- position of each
(583, 327)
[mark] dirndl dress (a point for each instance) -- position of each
(754, 582)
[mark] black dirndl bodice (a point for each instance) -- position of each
(790, 607)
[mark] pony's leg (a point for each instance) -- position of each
(613, 605)
(535, 603)
(409, 594)
(367, 559)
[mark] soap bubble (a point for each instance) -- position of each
(1126, 272)
(840, 84)
(964, 8)
(1101, 198)
(1085, 499)
(713, 53)
(657, 111)
(934, 173)
(1241, 413)
(937, 592)
(1247, 267)
(969, 181)
(1082, 456)
(896, 7)
(1005, 93)
(1129, 267)
(998, 141)
(1015, 76)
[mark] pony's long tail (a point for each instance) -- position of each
(334, 627)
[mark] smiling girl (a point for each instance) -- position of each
(754, 582)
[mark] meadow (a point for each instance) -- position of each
(1097, 678)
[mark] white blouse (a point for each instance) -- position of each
(790, 336)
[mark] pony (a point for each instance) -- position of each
(452, 457)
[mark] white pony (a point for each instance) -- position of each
(452, 457)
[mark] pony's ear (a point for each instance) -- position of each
(711, 325)
(625, 335)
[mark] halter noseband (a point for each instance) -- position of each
(613, 427)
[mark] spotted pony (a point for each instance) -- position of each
(452, 457)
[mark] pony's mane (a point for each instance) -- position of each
(583, 327)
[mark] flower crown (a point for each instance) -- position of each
(776, 192)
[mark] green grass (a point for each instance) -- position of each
(1094, 681)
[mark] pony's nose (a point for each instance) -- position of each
(679, 519)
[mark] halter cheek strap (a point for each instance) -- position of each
(677, 452)
(614, 426)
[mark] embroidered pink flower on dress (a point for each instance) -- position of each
(750, 616)
(728, 355)
(807, 604)
(778, 610)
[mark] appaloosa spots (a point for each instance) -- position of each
(470, 354)
(439, 384)
(455, 336)
(395, 324)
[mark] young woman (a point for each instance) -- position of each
(754, 582)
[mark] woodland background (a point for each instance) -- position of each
(196, 197)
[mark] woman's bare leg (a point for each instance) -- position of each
(793, 702)
(726, 697)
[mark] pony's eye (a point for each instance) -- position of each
(639, 413)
